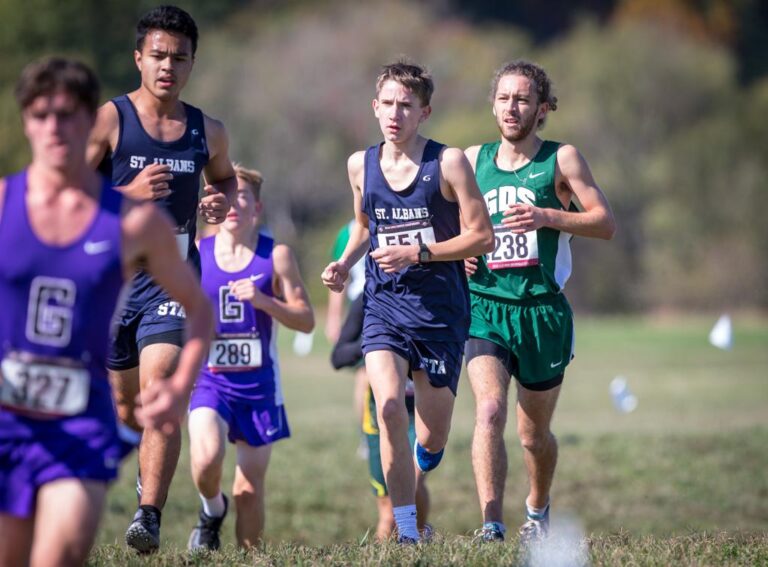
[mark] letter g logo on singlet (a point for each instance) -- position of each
(230, 309)
(49, 313)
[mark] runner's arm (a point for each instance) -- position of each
(219, 172)
(150, 183)
(290, 305)
(148, 241)
(220, 182)
(336, 273)
(573, 176)
(476, 236)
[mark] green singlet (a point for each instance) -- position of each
(522, 266)
(516, 291)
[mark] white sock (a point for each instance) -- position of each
(213, 507)
(536, 512)
(405, 518)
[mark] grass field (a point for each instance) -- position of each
(680, 481)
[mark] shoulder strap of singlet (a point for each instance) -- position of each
(206, 246)
(548, 149)
(123, 107)
(265, 246)
(111, 199)
(432, 151)
(196, 128)
(14, 196)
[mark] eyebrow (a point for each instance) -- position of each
(155, 51)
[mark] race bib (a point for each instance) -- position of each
(51, 388)
(513, 250)
(414, 232)
(235, 353)
(182, 241)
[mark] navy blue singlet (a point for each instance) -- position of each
(426, 301)
(186, 157)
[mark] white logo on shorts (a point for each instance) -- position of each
(434, 366)
(271, 431)
(427, 178)
(555, 364)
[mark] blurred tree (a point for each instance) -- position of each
(651, 92)
(99, 33)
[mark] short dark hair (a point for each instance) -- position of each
(55, 74)
(412, 76)
(534, 73)
(169, 19)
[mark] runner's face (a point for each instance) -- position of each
(165, 62)
(245, 212)
(399, 112)
(516, 107)
(57, 127)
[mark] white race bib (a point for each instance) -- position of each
(235, 353)
(182, 241)
(414, 232)
(48, 388)
(513, 250)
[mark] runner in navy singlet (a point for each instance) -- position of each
(420, 213)
(253, 283)
(155, 147)
(76, 241)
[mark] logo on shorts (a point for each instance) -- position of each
(555, 364)
(427, 178)
(271, 431)
(172, 308)
(434, 366)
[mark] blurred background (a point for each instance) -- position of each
(665, 98)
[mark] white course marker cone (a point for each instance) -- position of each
(721, 334)
(624, 400)
(302, 343)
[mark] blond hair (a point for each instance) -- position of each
(253, 177)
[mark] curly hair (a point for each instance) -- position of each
(169, 19)
(537, 76)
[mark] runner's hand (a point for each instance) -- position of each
(246, 290)
(334, 275)
(470, 265)
(396, 258)
(161, 406)
(524, 218)
(214, 206)
(150, 184)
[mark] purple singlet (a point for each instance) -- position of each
(57, 418)
(241, 379)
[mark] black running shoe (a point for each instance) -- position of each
(143, 534)
(206, 532)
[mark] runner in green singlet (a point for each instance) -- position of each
(522, 325)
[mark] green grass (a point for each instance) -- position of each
(680, 481)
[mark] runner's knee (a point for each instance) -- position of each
(536, 442)
(491, 413)
(393, 414)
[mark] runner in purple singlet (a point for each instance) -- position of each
(253, 284)
(74, 241)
